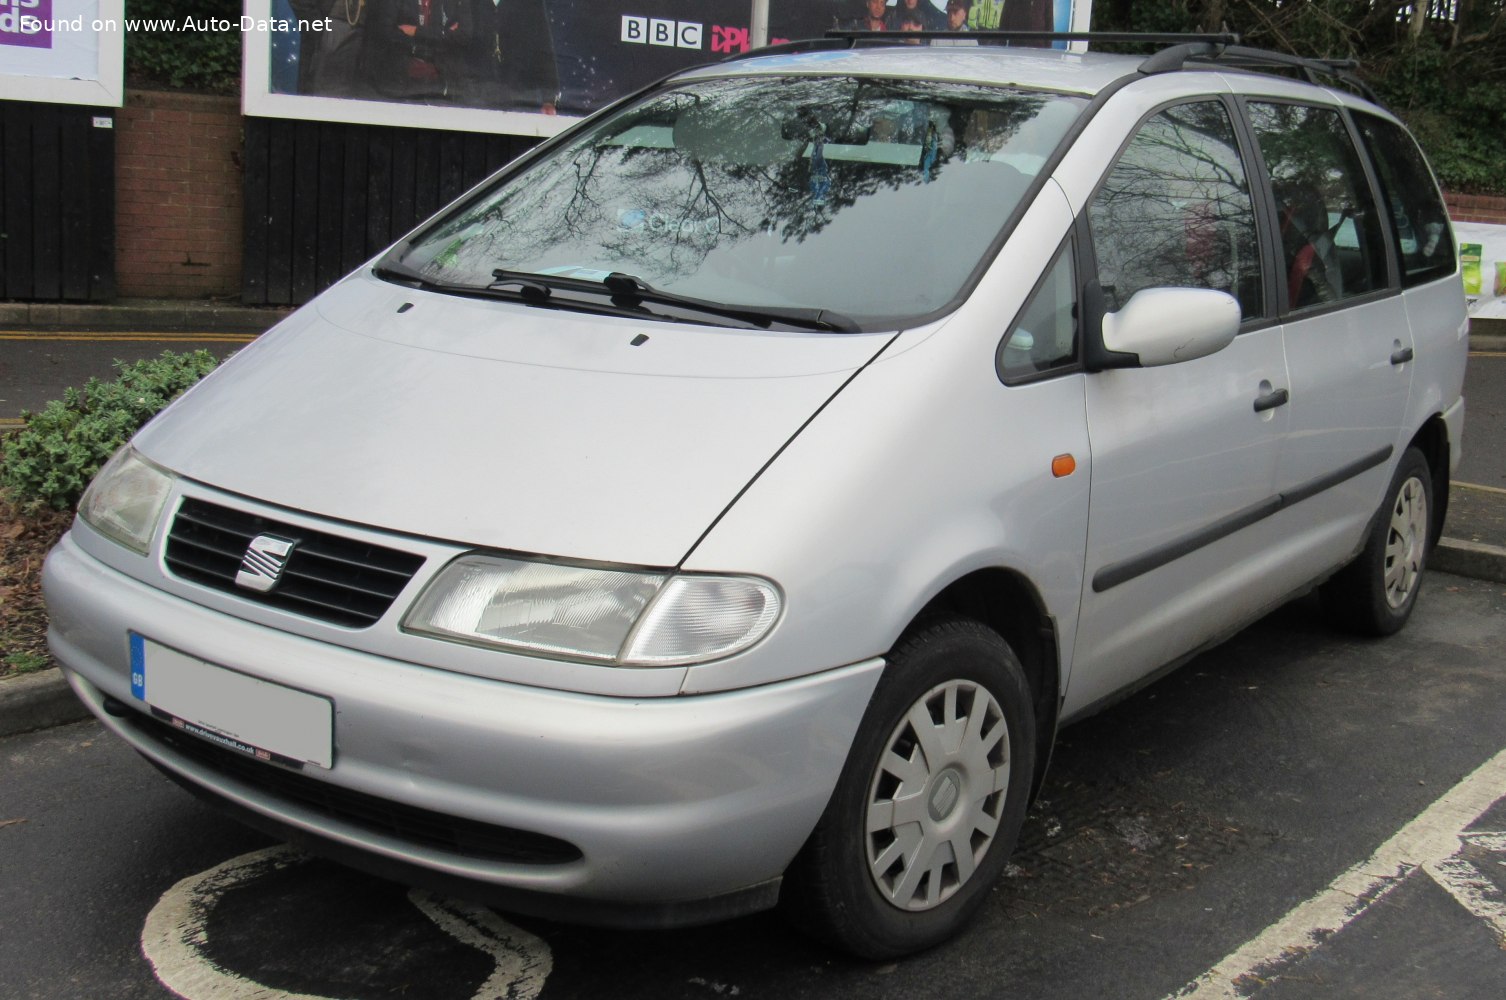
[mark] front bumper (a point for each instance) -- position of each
(668, 801)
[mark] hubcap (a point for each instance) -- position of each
(937, 795)
(1406, 542)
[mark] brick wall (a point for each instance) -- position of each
(1475, 207)
(178, 196)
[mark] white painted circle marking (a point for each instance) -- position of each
(175, 933)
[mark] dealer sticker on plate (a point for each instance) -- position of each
(245, 714)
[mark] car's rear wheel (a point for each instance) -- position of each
(1375, 594)
(930, 801)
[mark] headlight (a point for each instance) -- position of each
(125, 500)
(617, 616)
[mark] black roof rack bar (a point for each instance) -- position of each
(1181, 49)
(1115, 37)
(1238, 56)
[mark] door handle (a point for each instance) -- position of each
(1402, 356)
(1271, 400)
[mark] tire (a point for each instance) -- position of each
(1374, 594)
(955, 710)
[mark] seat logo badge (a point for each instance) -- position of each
(263, 563)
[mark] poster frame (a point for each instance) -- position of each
(108, 91)
(259, 100)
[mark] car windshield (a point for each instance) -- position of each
(873, 199)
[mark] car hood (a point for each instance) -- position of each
(502, 425)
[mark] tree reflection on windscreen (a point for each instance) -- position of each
(870, 198)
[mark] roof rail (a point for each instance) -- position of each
(1220, 48)
(1005, 37)
(1236, 56)
(798, 45)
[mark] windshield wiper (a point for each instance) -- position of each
(628, 293)
(629, 289)
(528, 289)
(528, 285)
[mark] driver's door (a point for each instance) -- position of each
(1180, 541)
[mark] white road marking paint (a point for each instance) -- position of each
(1425, 843)
(174, 935)
(1470, 887)
(1477, 486)
(523, 961)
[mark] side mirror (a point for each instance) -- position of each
(1165, 326)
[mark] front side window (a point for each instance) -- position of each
(1419, 222)
(869, 198)
(1175, 211)
(1044, 338)
(1330, 236)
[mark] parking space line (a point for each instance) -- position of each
(1425, 843)
(1477, 486)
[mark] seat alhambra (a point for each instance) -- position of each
(725, 504)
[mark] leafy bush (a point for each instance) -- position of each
(50, 461)
(195, 60)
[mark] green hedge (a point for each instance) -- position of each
(192, 60)
(50, 461)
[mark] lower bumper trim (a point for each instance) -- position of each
(549, 906)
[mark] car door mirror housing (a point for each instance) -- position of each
(1166, 326)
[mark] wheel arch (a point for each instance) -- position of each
(1007, 602)
(1432, 440)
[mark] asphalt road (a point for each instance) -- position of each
(1176, 829)
(1484, 460)
(36, 366)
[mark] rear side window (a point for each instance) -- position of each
(1419, 220)
(1176, 212)
(1330, 234)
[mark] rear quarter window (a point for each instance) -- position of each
(1419, 221)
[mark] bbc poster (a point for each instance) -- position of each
(532, 66)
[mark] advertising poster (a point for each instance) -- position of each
(532, 66)
(1482, 264)
(62, 51)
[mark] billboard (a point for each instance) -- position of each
(62, 51)
(531, 67)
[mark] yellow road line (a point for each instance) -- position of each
(1487, 354)
(205, 338)
(1477, 486)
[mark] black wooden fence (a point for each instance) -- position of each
(57, 202)
(322, 197)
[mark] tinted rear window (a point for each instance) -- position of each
(1424, 243)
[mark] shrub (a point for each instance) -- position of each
(50, 461)
(197, 60)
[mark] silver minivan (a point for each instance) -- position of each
(725, 504)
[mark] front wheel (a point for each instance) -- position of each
(931, 799)
(1374, 595)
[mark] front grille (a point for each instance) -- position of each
(410, 824)
(328, 577)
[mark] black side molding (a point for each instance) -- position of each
(1122, 572)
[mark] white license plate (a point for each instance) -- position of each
(250, 716)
